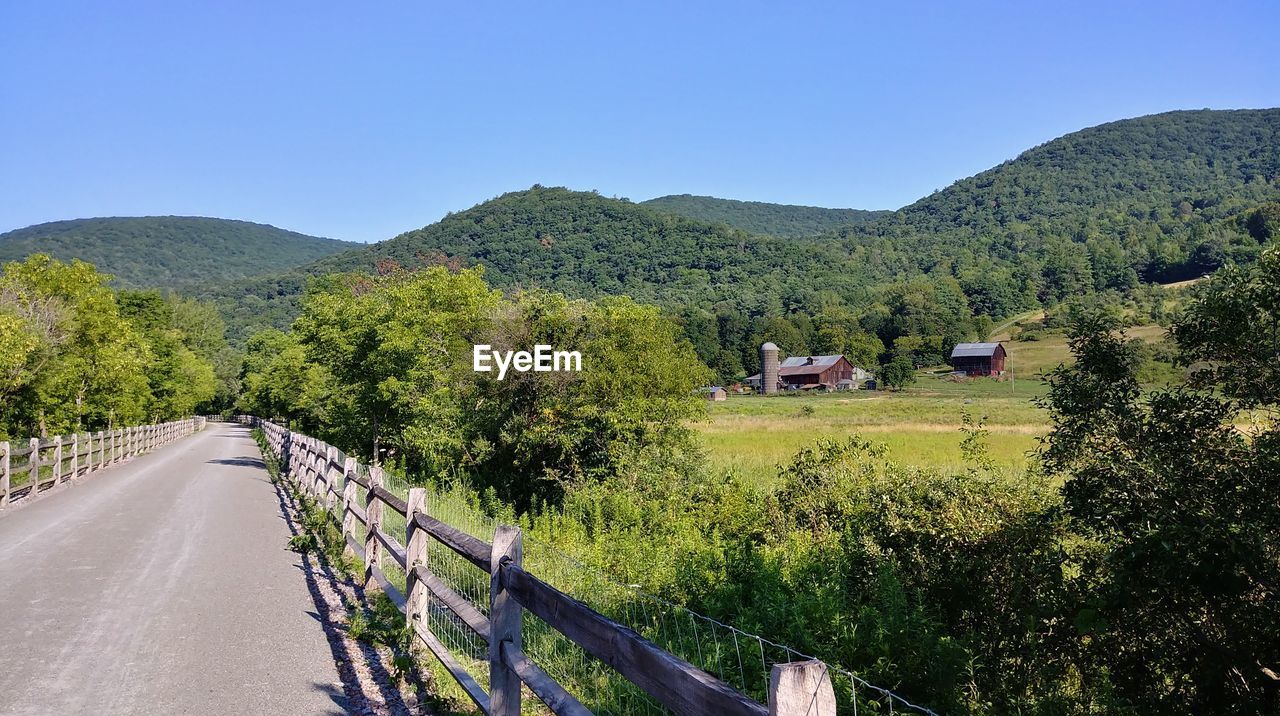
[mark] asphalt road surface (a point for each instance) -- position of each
(162, 585)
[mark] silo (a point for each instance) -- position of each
(768, 369)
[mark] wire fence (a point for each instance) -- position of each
(738, 658)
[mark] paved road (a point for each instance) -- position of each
(161, 586)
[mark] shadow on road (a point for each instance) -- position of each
(240, 461)
(348, 654)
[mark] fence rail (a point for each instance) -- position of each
(40, 465)
(802, 688)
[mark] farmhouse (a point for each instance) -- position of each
(978, 358)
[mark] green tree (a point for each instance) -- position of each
(897, 373)
(78, 365)
(1180, 609)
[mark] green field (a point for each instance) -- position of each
(921, 425)
(918, 426)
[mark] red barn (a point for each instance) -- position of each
(815, 371)
(978, 358)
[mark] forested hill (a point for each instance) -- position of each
(1158, 198)
(170, 251)
(1145, 198)
(578, 243)
(760, 217)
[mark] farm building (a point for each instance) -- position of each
(816, 371)
(715, 393)
(833, 372)
(978, 358)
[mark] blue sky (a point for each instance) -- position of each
(362, 120)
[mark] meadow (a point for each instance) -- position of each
(921, 425)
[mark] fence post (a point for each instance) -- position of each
(348, 499)
(801, 688)
(75, 456)
(57, 459)
(415, 553)
(330, 455)
(286, 454)
(33, 467)
(4, 474)
(504, 623)
(102, 450)
(372, 547)
(88, 453)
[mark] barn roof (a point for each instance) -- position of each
(805, 361)
(974, 350)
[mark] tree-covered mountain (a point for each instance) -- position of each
(1156, 198)
(1146, 199)
(578, 243)
(170, 251)
(760, 217)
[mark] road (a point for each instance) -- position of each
(162, 585)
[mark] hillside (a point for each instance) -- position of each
(170, 251)
(1156, 199)
(1145, 199)
(578, 243)
(760, 217)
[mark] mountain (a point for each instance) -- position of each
(170, 251)
(760, 217)
(1157, 198)
(578, 243)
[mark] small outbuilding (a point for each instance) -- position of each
(978, 359)
(715, 393)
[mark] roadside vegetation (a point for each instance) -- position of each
(942, 578)
(77, 355)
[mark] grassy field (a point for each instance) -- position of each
(919, 426)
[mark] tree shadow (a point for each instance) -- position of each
(240, 462)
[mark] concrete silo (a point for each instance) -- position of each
(768, 369)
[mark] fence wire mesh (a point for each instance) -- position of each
(738, 658)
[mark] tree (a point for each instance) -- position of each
(1230, 334)
(1181, 507)
(77, 363)
(897, 373)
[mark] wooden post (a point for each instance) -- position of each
(4, 473)
(33, 468)
(57, 459)
(415, 553)
(88, 453)
(348, 499)
(504, 623)
(801, 688)
(102, 450)
(75, 456)
(330, 455)
(372, 547)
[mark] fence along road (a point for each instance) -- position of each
(362, 504)
(161, 585)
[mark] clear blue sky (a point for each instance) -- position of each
(362, 120)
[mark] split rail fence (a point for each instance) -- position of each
(43, 464)
(354, 494)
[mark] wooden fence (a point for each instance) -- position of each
(795, 689)
(42, 464)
